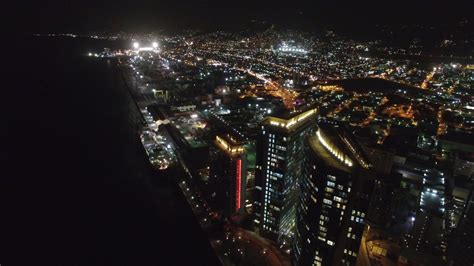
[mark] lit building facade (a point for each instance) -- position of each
(385, 184)
(278, 168)
(464, 165)
(228, 175)
(429, 228)
(461, 244)
(335, 191)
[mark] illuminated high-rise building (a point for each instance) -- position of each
(429, 230)
(464, 165)
(335, 191)
(228, 175)
(278, 168)
(385, 185)
(461, 244)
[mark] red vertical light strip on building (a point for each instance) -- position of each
(238, 181)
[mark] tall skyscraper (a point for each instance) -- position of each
(228, 175)
(385, 185)
(461, 244)
(279, 166)
(429, 230)
(335, 191)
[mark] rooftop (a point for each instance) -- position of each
(229, 144)
(337, 149)
(290, 121)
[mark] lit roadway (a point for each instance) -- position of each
(274, 88)
(248, 58)
(272, 253)
(373, 114)
(441, 124)
(429, 77)
(344, 105)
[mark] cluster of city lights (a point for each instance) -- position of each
(286, 48)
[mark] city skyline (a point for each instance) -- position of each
(195, 133)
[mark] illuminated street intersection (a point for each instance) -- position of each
(203, 95)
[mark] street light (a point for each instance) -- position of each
(155, 45)
(136, 45)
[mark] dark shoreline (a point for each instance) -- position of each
(78, 188)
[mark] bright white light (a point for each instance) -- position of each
(155, 45)
(136, 45)
(146, 49)
(90, 54)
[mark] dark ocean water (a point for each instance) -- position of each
(78, 189)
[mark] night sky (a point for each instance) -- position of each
(147, 15)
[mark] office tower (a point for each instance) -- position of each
(228, 175)
(429, 228)
(461, 244)
(279, 166)
(464, 165)
(380, 210)
(385, 186)
(335, 193)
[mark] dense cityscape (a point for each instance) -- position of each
(160, 132)
(300, 149)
